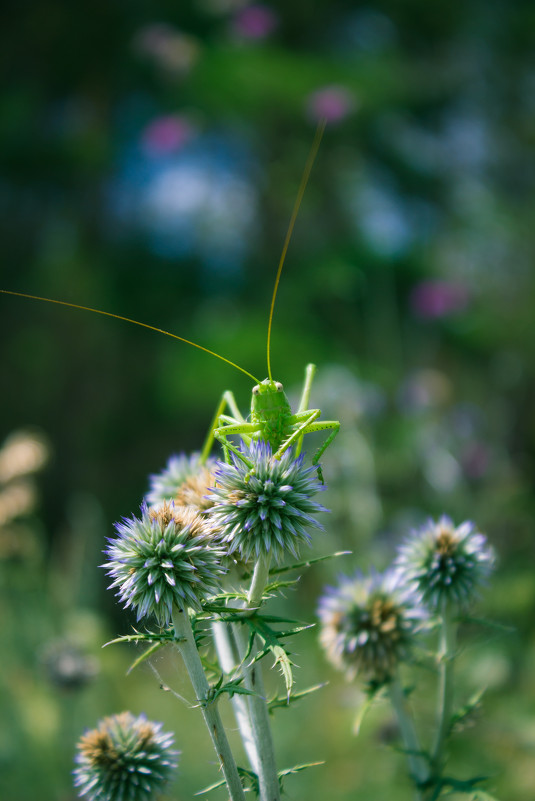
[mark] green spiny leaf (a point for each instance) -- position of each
(295, 769)
(374, 694)
(146, 654)
(284, 701)
(275, 571)
(248, 777)
(467, 710)
(162, 637)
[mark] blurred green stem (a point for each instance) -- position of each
(188, 650)
(446, 655)
(418, 765)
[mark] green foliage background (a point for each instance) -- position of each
(428, 177)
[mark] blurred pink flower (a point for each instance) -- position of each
(254, 22)
(331, 103)
(476, 460)
(435, 299)
(166, 134)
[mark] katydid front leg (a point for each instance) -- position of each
(227, 400)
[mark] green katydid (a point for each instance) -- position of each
(271, 418)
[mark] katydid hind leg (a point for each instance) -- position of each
(323, 425)
(310, 371)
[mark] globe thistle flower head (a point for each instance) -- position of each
(445, 563)
(184, 480)
(193, 491)
(265, 510)
(368, 624)
(124, 759)
(165, 557)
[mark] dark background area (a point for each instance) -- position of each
(150, 157)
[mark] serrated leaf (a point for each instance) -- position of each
(248, 777)
(162, 637)
(284, 701)
(295, 769)
(463, 786)
(275, 586)
(466, 710)
(489, 624)
(271, 640)
(145, 655)
(231, 687)
(374, 693)
(275, 571)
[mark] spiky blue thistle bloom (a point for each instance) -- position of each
(165, 557)
(184, 480)
(368, 624)
(126, 758)
(442, 562)
(266, 510)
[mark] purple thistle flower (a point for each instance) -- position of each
(268, 509)
(166, 557)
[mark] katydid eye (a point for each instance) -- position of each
(278, 386)
(255, 390)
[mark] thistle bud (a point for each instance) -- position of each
(445, 563)
(124, 759)
(368, 624)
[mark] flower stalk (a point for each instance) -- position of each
(259, 718)
(446, 656)
(188, 650)
(418, 765)
(227, 657)
(258, 581)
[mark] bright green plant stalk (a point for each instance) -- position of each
(259, 581)
(190, 655)
(259, 718)
(258, 714)
(418, 765)
(228, 659)
(446, 655)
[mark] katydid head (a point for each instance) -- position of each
(268, 396)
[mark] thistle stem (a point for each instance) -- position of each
(252, 678)
(417, 763)
(188, 649)
(260, 724)
(259, 581)
(228, 659)
(446, 654)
